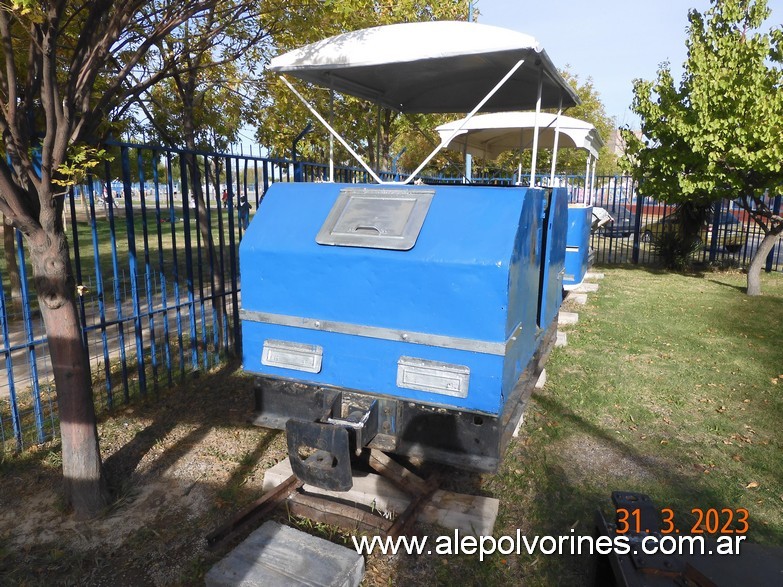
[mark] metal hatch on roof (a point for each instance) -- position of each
(376, 218)
(440, 66)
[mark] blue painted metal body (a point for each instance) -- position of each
(577, 252)
(474, 274)
(553, 266)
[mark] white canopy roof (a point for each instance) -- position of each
(440, 66)
(489, 135)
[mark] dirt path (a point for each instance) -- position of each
(179, 466)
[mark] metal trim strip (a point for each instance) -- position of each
(438, 340)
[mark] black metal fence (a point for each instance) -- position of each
(154, 243)
(729, 238)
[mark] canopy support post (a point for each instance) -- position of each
(468, 176)
(535, 129)
(331, 138)
(587, 177)
(465, 120)
(555, 145)
(334, 133)
(521, 151)
(592, 180)
(378, 142)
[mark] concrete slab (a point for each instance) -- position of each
(593, 275)
(519, 425)
(586, 288)
(562, 339)
(577, 298)
(280, 556)
(541, 382)
(565, 318)
(471, 514)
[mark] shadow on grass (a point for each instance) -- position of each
(189, 403)
(548, 493)
(757, 316)
(646, 268)
(690, 494)
(655, 270)
(740, 288)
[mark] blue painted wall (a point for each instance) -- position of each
(580, 219)
(473, 273)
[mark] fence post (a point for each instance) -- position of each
(78, 267)
(265, 167)
(175, 264)
(771, 255)
(162, 275)
(232, 253)
(716, 213)
(638, 227)
(30, 341)
(9, 369)
(185, 192)
(147, 268)
(133, 267)
(112, 203)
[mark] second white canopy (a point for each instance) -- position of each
(488, 135)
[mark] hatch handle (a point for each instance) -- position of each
(367, 228)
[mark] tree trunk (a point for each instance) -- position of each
(11, 264)
(758, 261)
(85, 486)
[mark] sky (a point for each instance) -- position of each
(612, 41)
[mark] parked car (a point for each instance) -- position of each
(731, 233)
(622, 225)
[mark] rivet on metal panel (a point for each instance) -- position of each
(404, 337)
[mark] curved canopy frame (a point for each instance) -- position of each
(488, 135)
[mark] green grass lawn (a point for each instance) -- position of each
(671, 385)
